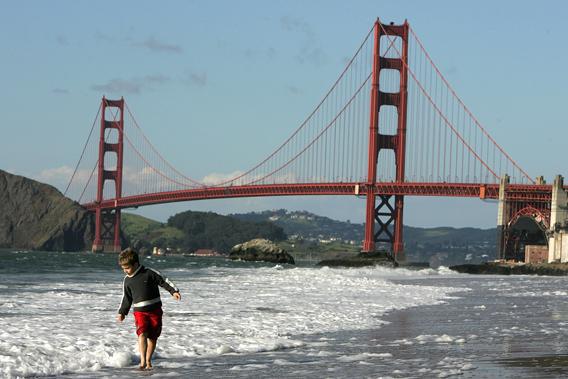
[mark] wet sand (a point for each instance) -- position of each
(496, 330)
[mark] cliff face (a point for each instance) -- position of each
(37, 216)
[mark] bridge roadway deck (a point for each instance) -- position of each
(514, 192)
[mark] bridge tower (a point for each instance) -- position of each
(386, 212)
(107, 221)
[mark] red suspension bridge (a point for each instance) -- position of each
(390, 126)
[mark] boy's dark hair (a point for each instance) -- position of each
(128, 257)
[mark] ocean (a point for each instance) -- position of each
(243, 319)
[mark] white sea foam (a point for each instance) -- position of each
(363, 356)
(69, 325)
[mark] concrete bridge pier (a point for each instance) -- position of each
(558, 232)
(502, 218)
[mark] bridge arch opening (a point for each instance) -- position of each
(390, 81)
(110, 160)
(111, 135)
(386, 166)
(109, 189)
(524, 230)
(391, 46)
(112, 113)
(388, 120)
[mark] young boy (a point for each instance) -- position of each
(140, 289)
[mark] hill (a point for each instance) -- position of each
(449, 235)
(420, 243)
(306, 225)
(208, 230)
(145, 233)
(189, 231)
(37, 216)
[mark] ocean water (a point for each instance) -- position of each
(240, 320)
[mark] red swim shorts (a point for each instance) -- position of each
(149, 323)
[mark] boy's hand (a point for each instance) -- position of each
(177, 296)
(119, 318)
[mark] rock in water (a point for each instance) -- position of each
(37, 216)
(379, 258)
(260, 250)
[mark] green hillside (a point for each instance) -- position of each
(189, 231)
(449, 236)
(208, 230)
(306, 225)
(315, 234)
(147, 233)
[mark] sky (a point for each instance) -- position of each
(217, 85)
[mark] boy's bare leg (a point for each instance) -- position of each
(143, 347)
(149, 351)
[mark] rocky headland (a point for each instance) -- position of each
(36, 216)
(261, 250)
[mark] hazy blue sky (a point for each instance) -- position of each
(216, 85)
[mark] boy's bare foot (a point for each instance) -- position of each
(142, 365)
(148, 366)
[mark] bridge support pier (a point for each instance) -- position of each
(502, 219)
(108, 223)
(558, 232)
(549, 212)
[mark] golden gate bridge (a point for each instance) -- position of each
(390, 126)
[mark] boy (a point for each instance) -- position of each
(140, 287)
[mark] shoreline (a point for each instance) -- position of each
(518, 268)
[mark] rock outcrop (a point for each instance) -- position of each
(498, 268)
(37, 216)
(379, 258)
(260, 250)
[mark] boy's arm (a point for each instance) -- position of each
(125, 303)
(167, 284)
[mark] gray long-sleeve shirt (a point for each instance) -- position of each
(140, 290)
